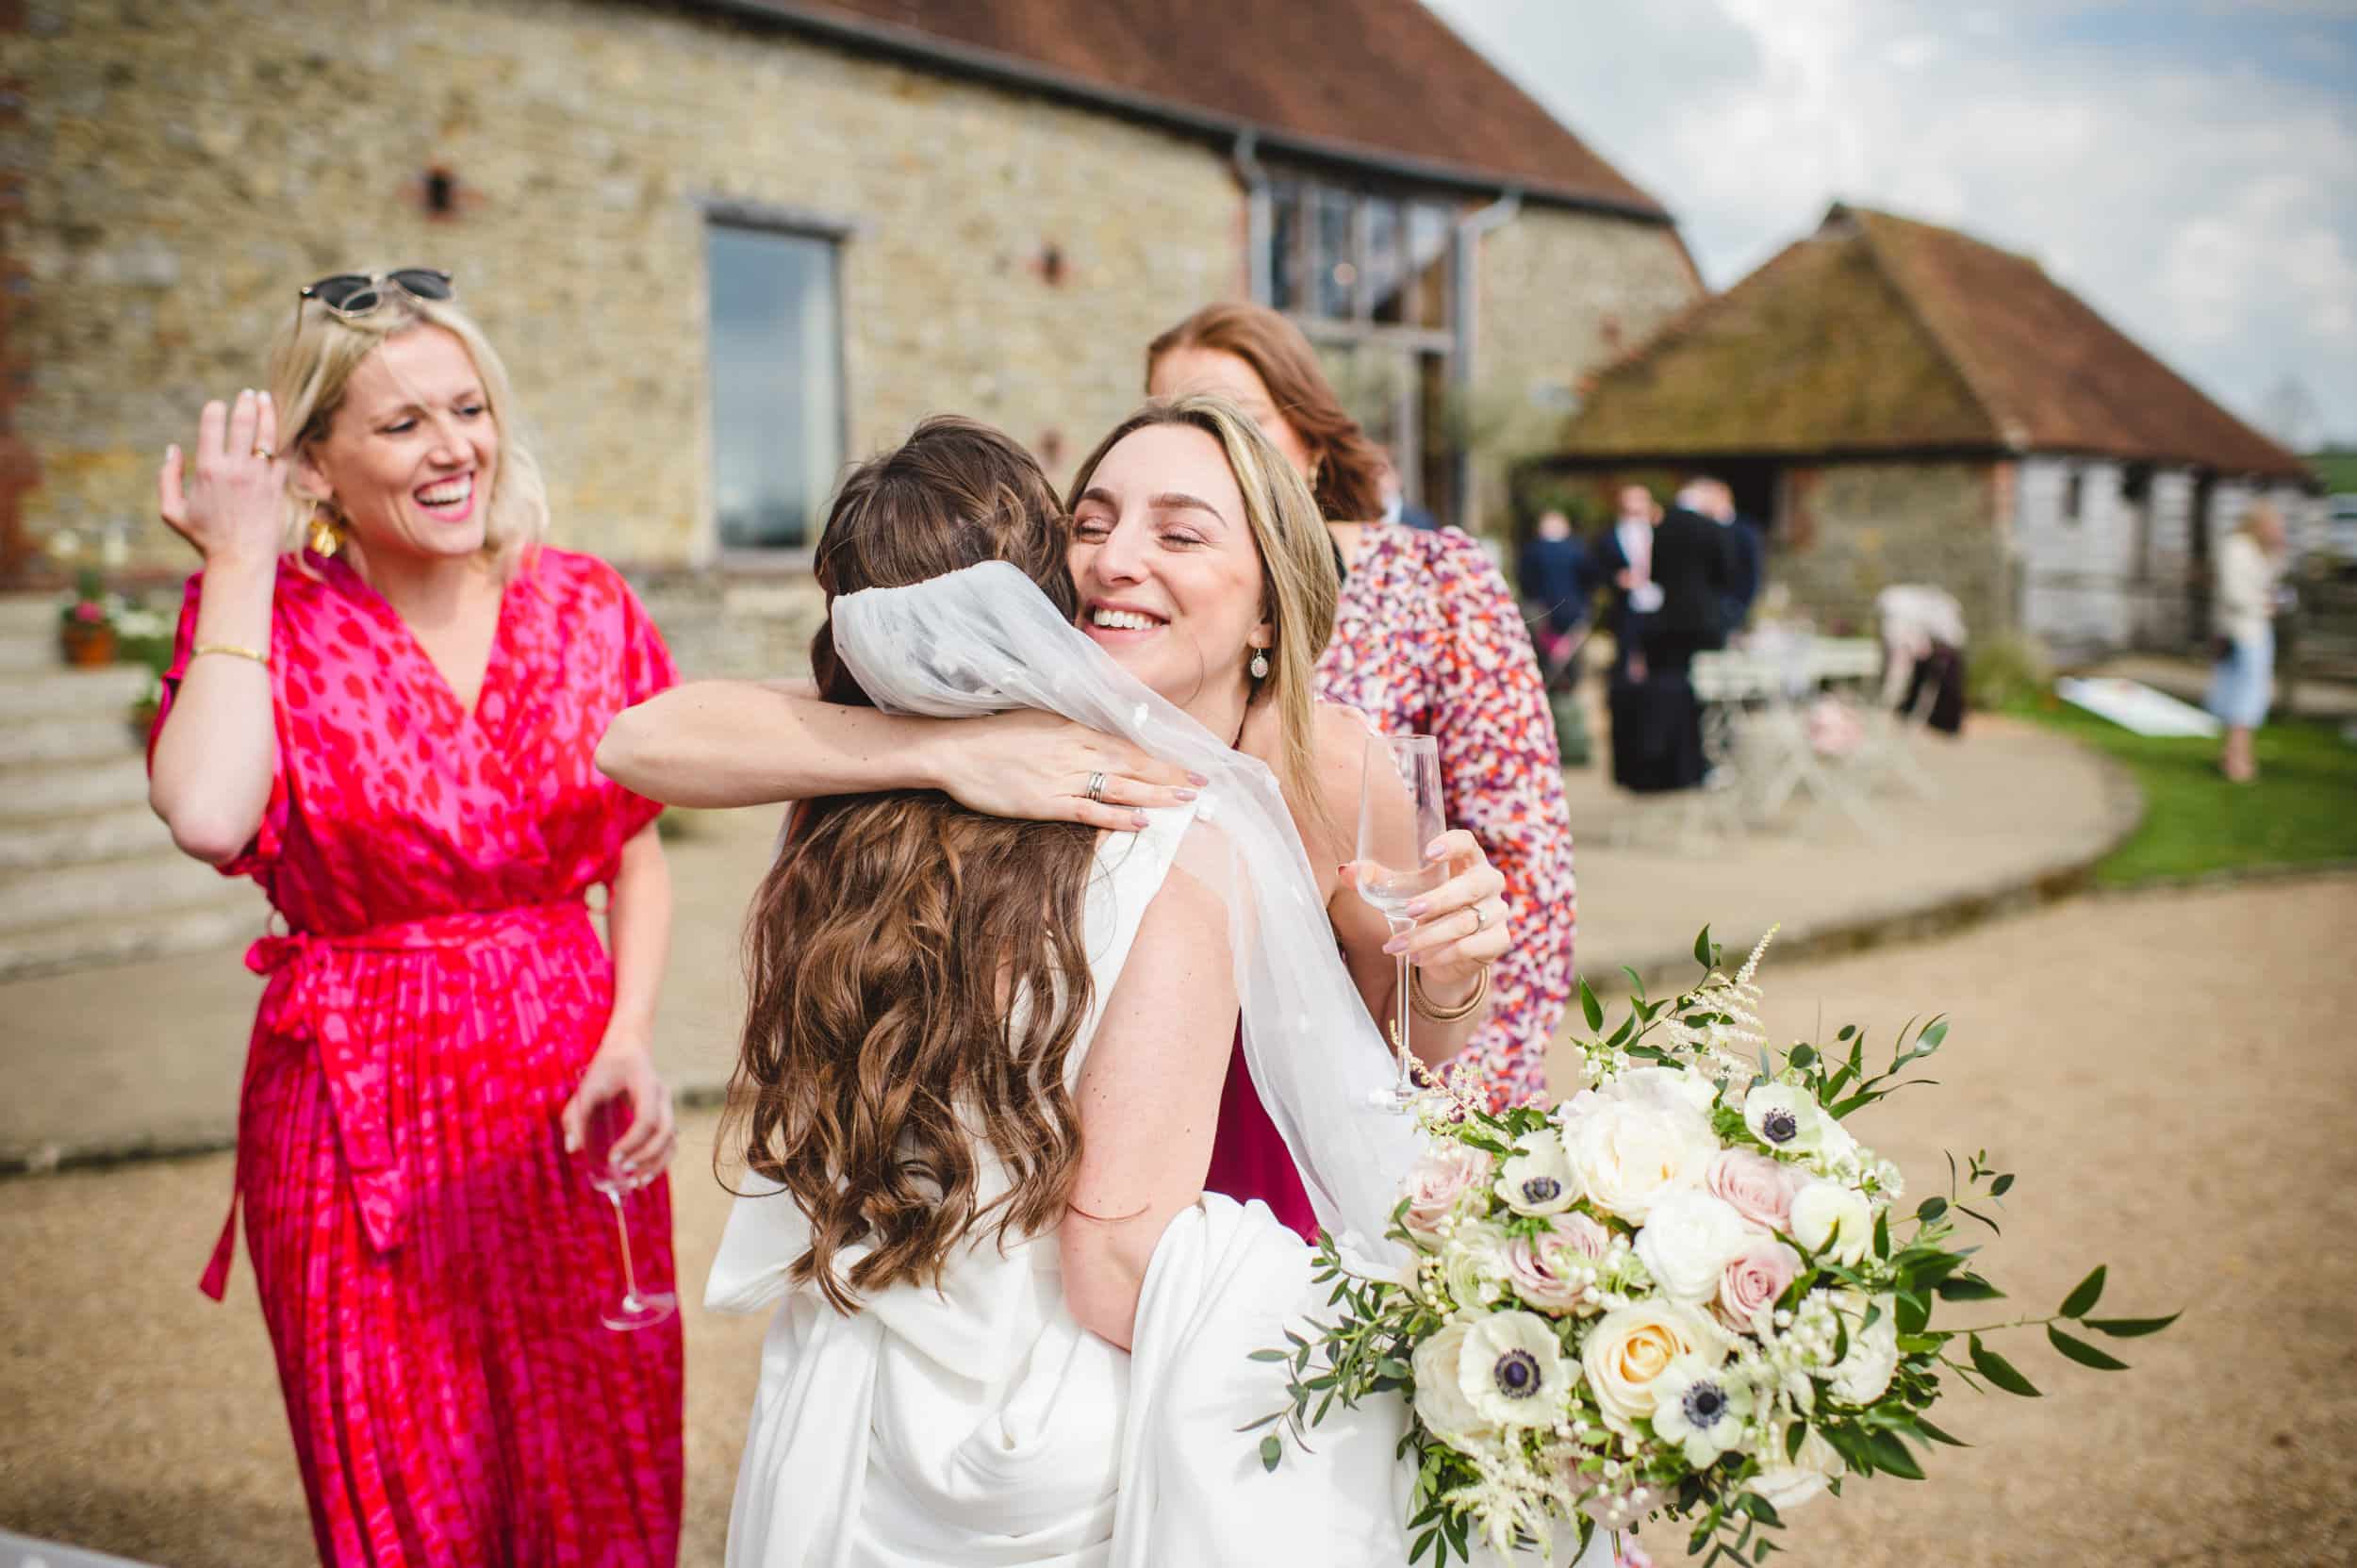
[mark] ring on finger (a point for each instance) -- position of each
(1096, 787)
(1481, 919)
(261, 450)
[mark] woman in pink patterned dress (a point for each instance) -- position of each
(393, 731)
(1426, 641)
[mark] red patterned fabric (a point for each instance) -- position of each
(1427, 641)
(431, 1264)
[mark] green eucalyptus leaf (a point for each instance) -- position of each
(1271, 1451)
(2132, 1327)
(1892, 1455)
(1589, 1007)
(2000, 1371)
(2002, 1185)
(1937, 1436)
(1968, 1287)
(1702, 948)
(2082, 1301)
(1794, 1436)
(1931, 1209)
(2084, 1354)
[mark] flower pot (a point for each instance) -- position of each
(86, 643)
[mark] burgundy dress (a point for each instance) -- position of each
(431, 1264)
(1427, 641)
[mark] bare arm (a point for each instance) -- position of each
(638, 929)
(744, 743)
(1148, 1101)
(210, 777)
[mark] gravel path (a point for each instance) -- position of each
(2170, 1075)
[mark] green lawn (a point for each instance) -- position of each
(2302, 811)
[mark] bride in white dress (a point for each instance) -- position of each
(976, 1104)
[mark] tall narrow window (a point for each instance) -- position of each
(777, 384)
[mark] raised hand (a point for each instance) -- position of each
(228, 498)
(1037, 768)
(1462, 926)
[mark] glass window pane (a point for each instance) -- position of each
(777, 396)
(1427, 282)
(1335, 262)
(1386, 260)
(1284, 233)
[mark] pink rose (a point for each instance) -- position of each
(88, 614)
(1751, 1283)
(1756, 1187)
(1439, 1184)
(1544, 1273)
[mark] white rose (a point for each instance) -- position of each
(1786, 1484)
(1441, 1402)
(1626, 1154)
(1828, 1217)
(1688, 1241)
(1631, 1348)
(1511, 1371)
(1666, 1087)
(1786, 1119)
(1537, 1180)
(1866, 1372)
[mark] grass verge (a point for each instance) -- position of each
(2302, 811)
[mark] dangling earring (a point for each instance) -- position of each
(326, 539)
(1259, 665)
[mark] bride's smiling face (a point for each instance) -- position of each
(1163, 556)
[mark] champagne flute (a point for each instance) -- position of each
(1399, 816)
(608, 1120)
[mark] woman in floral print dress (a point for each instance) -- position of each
(1426, 641)
(393, 737)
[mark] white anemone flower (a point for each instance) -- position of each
(1702, 1409)
(1536, 1178)
(1512, 1372)
(1786, 1119)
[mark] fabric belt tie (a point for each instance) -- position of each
(319, 1004)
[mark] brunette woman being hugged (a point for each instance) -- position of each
(381, 707)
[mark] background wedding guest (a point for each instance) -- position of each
(1427, 640)
(382, 706)
(1397, 507)
(1555, 592)
(1747, 553)
(1693, 566)
(1622, 557)
(2242, 678)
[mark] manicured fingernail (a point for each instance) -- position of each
(1415, 909)
(1432, 850)
(171, 451)
(1197, 780)
(1137, 818)
(1184, 793)
(573, 1144)
(1396, 944)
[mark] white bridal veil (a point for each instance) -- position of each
(984, 639)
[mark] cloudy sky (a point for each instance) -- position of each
(2188, 167)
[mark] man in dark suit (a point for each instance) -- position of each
(1623, 557)
(1747, 553)
(1694, 564)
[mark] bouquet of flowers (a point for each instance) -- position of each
(1687, 1289)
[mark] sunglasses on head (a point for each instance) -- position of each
(351, 295)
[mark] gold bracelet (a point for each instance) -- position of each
(231, 650)
(1431, 1013)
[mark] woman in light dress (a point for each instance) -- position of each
(984, 1058)
(2242, 682)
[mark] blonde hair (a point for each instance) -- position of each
(1299, 581)
(312, 359)
(2263, 520)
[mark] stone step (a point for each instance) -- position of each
(113, 833)
(61, 692)
(151, 884)
(229, 923)
(41, 793)
(60, 740)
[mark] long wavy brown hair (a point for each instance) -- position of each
(1349, 483)
(891, 940)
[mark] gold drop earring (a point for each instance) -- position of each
(326, 538)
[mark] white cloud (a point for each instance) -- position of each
(2198, 187)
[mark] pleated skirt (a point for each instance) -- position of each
(454, 1397)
